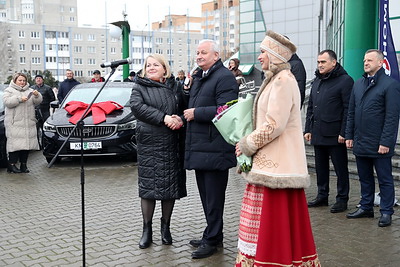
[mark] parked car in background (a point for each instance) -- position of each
(3, 152)
(114, 137)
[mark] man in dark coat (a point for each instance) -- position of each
(299, 72)
(66, 85)
(371, 131)
(325, 128)
(206, 151)
(48, 96)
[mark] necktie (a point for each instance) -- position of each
(370, 80)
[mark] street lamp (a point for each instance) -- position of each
(124, 25)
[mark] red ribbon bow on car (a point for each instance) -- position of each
(99, 110)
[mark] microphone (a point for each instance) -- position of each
(114, 64)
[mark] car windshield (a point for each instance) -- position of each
(121, 95)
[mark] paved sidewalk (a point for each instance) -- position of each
(40, 221)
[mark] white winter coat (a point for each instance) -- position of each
(20, 120)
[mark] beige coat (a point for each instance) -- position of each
(276, 144)
(20, 119)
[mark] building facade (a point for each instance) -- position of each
(43, 35)
(349, 27)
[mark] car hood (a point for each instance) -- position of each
(61, 117)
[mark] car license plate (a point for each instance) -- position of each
(86, 145)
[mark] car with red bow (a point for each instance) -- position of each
(108, 127)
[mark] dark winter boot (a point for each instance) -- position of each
(147, 236)
(13, 169)
(165, 233)
(24, 168)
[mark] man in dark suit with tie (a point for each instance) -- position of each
(372, 126)
(325, 128)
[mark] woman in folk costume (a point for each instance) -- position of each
(275, 227)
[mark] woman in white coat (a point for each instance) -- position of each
(20, 122)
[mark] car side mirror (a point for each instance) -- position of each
(54, 104)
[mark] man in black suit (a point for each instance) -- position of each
(206, 151)
(325, 128)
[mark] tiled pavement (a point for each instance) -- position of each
(40, 221)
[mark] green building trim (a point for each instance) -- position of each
(360, 33)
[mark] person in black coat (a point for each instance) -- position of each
(371, 131)
(48, 96)
(299, 72)
(325, 128)
(66, 85)
(157, 104)
(206, 151)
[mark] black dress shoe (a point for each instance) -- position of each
(24, 168)
(360, 213)
(385, 220)
(204, 251)
(339, 207)
(318, 202)
(13, 169)
(197, 242)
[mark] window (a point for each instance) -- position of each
(21, 47)
(63, 47)
(22, 60)
(91, 49)
(35, 47)
(91, 61)
(113, 50)
(170, 51)
(91, 37)
(50, 47)
(51, 59)
(170, 40)
(50, 35)
(35, 35)
(63, 60)
(63, 35)
(78, 49)
(21, 34)
(78, 61)
(35, 60)
(78, 36)
(159, 40)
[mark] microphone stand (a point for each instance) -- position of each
(80, 124)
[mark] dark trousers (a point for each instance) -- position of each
(21, 155)
(212, 187)
(383, 168)
(338, 156)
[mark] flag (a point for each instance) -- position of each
(386, 44)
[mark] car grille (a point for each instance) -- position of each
(88, 131)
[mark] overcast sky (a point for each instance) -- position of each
(93, 11)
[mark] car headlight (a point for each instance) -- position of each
(49, 127)
(127, 126)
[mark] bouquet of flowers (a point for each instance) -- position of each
(234, 121)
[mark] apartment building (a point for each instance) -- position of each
(43, 35)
